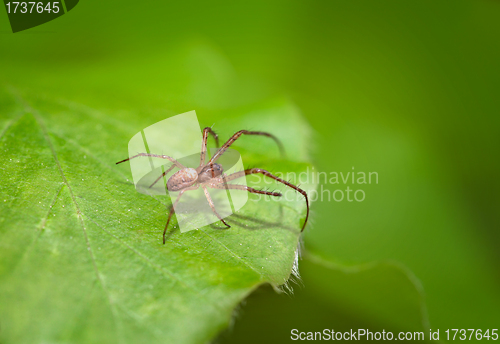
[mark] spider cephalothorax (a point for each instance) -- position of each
(211, 175)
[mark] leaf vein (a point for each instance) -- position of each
(35, 239)
(233, 253)
(39, 121)
(142, 256)
(10, 124)
(414, 280)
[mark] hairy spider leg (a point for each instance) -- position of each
(227, 186)
(233, 138)
(240, 174)
(176, 163)
(171, 210)
(162, 175)
(211, 203)
(245, 188)
(203, 153)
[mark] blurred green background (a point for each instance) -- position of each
(409, 90)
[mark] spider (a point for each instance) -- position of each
(211, 175)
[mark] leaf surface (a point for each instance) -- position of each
(81, 251)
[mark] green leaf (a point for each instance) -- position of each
(414, 217)
(81, 250)
(376, 297)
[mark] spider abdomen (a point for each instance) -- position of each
(182, 179)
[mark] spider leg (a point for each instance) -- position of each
(270, 175)
(176, 163)
(172, 208)
(162, 175)
(233, 138)
(235, 175)
(170, 212)
(211, 203)
(245, 188)
(203, 153)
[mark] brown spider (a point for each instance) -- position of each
(211, 174)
